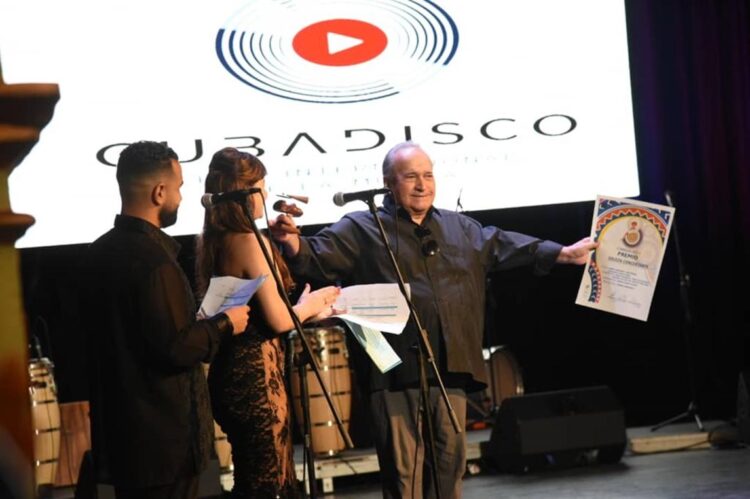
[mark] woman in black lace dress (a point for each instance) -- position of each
(246, 378)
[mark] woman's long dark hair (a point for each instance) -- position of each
(229, 170)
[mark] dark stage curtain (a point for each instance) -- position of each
(690, 65)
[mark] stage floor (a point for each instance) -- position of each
(698, 470)
(675, 475)
(692, 469)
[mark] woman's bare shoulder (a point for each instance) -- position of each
(241, 242)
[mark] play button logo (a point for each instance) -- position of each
(336, 52)
(339, 42)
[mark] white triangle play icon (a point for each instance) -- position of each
(338, 43)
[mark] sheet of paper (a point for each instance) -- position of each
(227, 292)
(376, 346)
(377, 306)
(621, 274)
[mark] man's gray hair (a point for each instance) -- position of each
(390, 155)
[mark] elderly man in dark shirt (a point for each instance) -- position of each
(151, 423)
(444, 257)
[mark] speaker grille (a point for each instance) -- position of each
(551, 427)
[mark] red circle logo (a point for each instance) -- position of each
(340, 42)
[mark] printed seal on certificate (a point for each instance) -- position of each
(633, 235)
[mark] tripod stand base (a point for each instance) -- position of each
(690, 413)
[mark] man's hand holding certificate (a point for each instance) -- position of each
(621, 275)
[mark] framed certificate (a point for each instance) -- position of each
(621, 274)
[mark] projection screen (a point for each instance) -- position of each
(518, 102)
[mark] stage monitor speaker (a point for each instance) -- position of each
(743, 406)
(560, 428)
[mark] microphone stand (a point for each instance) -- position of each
(304, 358)
(491, 303)
(495, 406)
(424, 353)
(687, 329)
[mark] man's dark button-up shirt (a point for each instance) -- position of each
(447, 288)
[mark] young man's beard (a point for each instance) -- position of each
(167, 217)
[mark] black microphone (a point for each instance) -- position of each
(208, 200)
(341, 198)
(422, 232)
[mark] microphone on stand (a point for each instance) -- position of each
(240, 196)
(290, 209)
(341, 198)
(301, 199)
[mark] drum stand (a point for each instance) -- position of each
(306, 358)
(424, 353)
(301, 360)
(687, 328)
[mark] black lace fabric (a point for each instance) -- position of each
(250, 403)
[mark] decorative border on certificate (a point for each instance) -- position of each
(621, 275)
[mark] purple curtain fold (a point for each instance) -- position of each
(690, 66)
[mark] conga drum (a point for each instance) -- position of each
(329, 347)
(504, 373)
(45, 418)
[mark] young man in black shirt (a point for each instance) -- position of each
(151, 424)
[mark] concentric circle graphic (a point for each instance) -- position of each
(335, 51)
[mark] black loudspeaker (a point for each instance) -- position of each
(560, 428)
(743, 406)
